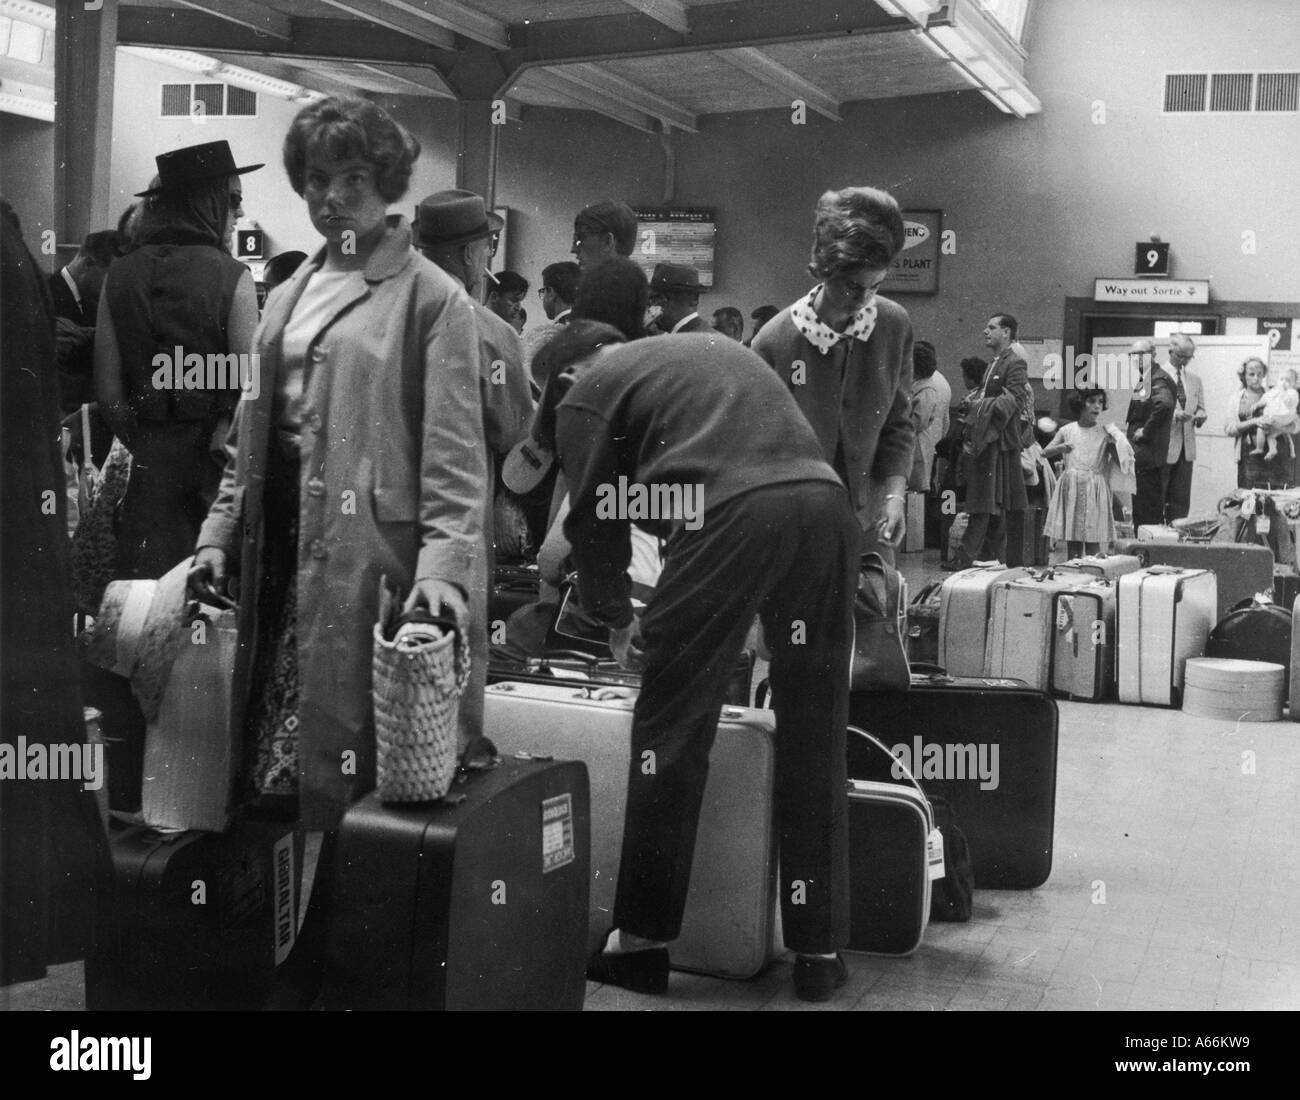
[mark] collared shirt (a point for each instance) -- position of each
(559, 318)
(820, 334)
(684, 322)
(1172, 371)
(72, 285)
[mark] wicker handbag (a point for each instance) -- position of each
(420, 668)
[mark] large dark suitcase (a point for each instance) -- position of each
(1242, 569)
(986, 745)
(1254, 631)
(513, 586)
(477, 901)
(194, 920)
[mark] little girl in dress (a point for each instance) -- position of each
(1080, 510)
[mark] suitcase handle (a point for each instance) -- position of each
(874, 740)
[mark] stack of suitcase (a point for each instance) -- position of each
(1242, 569)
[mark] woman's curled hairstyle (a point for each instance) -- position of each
(854, 228)
(338, 128)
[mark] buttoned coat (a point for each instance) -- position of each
(393, 481)
(995, 432)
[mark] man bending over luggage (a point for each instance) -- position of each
(697, 440)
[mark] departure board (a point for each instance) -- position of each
(676, 235)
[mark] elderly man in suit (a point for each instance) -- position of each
(675, 289)
(1188, 415)
(999, 424)
(1150, 417)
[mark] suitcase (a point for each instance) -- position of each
(513, 586)
(1234, 690)
(1286, 585)
(193, 920)
(563, 666)
(730, 921)
(988, 746)
(1163, 616)
(1293, 687)
(1254, 631)
(476, 901)
(891, 847)
(923, 626)
(964, 603)
(1158, 532)
(1242, 569)
(1104, 566)
(1022, 625)
(1026, 543)
(1083, 643)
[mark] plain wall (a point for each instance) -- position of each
(27, 179)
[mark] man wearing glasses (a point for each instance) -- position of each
(1188, 415)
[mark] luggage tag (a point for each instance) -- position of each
(1262, 524)
(934, 854)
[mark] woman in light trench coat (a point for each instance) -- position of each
(363, 454)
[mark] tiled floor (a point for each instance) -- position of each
(1173, 886)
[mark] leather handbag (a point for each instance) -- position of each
(880, 626)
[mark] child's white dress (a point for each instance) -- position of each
(1279, 411)
(1080, 509)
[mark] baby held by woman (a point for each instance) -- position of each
(1275, 415)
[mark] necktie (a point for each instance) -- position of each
(1182, 393)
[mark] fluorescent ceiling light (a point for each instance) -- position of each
(1021, 100)
(240, 77)
(954, 42)
(26, 42)
(966, 74)
(918, 11)
(988, 74)
(930, 44)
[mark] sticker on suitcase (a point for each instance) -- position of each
(557, 832)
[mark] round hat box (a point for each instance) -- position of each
(1235, 690)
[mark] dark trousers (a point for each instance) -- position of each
(1149, 499)
(789, 554)
(985, 538)
(1178, 488)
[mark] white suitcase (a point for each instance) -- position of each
(1022, 624)
(964, 603)
(1164, 615)
(729, 928)
(1156, 532)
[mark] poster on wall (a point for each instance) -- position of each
(681, 235)
(1278, 331)
(915, 270)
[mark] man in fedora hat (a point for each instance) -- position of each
(675, 289)
(457, 232)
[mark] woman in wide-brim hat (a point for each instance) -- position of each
(179, 294)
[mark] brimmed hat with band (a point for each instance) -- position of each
(675, 277)
(194, 164)
(454, 217)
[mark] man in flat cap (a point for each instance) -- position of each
(602, 230)
(675, 289)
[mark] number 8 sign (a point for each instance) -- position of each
(249, 244)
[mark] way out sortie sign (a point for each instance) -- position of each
(1179, 292)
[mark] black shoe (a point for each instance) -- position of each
(639, 971)
(815, 979)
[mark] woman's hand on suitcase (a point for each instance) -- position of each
(628, 646)
(207, 580)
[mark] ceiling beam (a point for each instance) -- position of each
(313, 39)
(428, 81)
(631, 95)
(671, 13)
(583, 98)
(786, 81)
(457, 18)
(245, 13)
(397, 19)
(713, 27)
